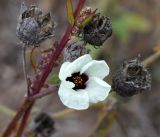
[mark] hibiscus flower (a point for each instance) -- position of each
(82, 82)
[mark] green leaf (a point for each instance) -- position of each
(70, 15)
(129, 22)
(136, 22)
(54, 80)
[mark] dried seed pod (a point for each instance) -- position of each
(98, 30)
(43, 125)
(74, 49)
(33, 26)
(132, 78)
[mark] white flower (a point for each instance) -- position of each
(82, 82)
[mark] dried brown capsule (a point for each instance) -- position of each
(98, 30)
(131, 79)
(43, 125)
(74, 49)
(33, 26)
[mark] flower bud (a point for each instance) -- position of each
(132, 78)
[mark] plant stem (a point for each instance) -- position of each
(27, 104)
(24, 63)
(53, 59)
(16, 118)
(148, 61)
(24, 121)
(61, 114)
(121, 125)
(103, 124)
(7, 111)
(59, 48)
(44, 92)
(79, 7)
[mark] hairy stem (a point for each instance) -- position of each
(24, 121)
(13, 123)
(27, 105)
(59, 48)
(44, 92)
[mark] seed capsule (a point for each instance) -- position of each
(131, 79)
(33, 26)
(74, 49)
(43, 125)
(97, 31)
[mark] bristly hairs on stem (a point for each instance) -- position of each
(27, 104)
(59, 49)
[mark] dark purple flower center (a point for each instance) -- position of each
(79, 80)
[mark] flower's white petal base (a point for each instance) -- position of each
(95, 68)
(97, 89)
(77, 65)
(68, 68)
(78, 100)
(68, 84)
(63, 71)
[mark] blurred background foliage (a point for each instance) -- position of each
(136, 30)
(123, 20)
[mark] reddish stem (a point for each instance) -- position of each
(27, 105)
(44, 92)
(24, 121)
(13, 123)
(79, 7)
(59, 49)
(53, 59)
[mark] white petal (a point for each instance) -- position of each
(68, 84)
(67, 68)
(77, 65)
(63, 71)
(73, 99)
(95, 68)
(97, 89)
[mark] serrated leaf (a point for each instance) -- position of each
(54, 80)
(70, 15)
